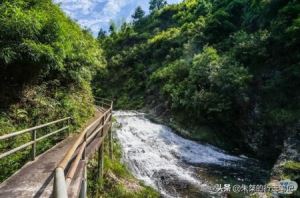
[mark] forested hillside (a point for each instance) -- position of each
(46, 64)
(229, 69)
(224, 72)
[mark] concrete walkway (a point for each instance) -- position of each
(35, 179)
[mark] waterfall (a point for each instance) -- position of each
(168, 162)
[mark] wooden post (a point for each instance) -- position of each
(100, 162)
(84, 152)
(110, 136)
(100, 153)
(110, 140)
(83, 189)
(33, 145)
(69, 125)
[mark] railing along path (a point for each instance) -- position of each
(34, 138)
(68, 166)
(100, 127)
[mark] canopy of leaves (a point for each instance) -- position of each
(38, 41)
(138, 13)
(157, 4)
(46, 64)
(231, 64)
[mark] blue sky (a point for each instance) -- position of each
(96, 14)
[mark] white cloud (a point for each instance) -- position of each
(96, 14)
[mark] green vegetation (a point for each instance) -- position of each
(47, 62)
(292, 165)
(291, 170)
(117, 182)
(138, 13)
(227, 69)
(157, 4)
(232, 66)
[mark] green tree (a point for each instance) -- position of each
(246, 81)
(112, 27)
(138, 13)
(157, 4)
(46, 64)
(101, 34)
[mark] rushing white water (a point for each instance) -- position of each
(154, 153)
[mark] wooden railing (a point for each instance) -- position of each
(34, 138)
(68, 166)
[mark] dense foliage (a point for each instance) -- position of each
(46, 64)
(230, 65)
(156, 4)
(138, 13)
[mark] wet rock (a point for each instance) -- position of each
(129, 184)
(172, 185)
(288, 161)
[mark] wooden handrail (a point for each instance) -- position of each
(97, 130)
(103, 101)
(99, 98)
(71, 151)
(74, 166)
(77, 151)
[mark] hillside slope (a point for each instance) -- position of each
(227, 70)
(47, 62)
